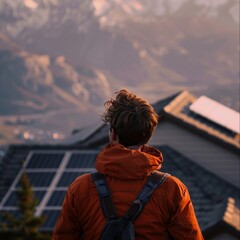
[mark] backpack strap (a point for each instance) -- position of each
(104, 195)
(155, 180)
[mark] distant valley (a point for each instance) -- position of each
(60, 60)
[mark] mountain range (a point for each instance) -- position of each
(65, 54)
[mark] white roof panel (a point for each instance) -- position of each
(217, 113)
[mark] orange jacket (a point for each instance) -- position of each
(169, 211)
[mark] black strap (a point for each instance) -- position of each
(155, 179)
(104, 195)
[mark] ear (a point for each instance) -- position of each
(113, 137)
(114, 134)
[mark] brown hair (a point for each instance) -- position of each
(132, 117)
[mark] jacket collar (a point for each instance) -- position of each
(120, 162)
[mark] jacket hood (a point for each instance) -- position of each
(120, 162)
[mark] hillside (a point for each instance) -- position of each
(57, 55)
(32, 83)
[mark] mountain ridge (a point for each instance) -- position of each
(35, 86)
(79, 52)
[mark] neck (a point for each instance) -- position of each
(135, 147)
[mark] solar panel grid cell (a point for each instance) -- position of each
(15, 213)
(13, 198)
(51, 218)
(67, 178)
(56, 198)
(40, 179)
(81, 161)
(45, 160)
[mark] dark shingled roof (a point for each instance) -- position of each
(176, 108)
(88, 137)
(209, 193)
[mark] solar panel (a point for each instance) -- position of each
(186, 110)
(82, 161)
(51, 219)
(217, 113)
(49, 173)
(43, 160)
(67, 178)
(40, 179)
(15, 213)
(56, 198)
(12, 200)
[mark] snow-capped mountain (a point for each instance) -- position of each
(20, 16)
(116, 12)
(78, 52)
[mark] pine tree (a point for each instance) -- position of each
(24, 227)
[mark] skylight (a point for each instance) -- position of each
(217, 113)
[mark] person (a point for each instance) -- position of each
(126, 162)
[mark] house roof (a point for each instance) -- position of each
(97, 134)
(209, 193)
(159, 105)
(217, 113)
(177, 108)
(231, 215)
(81, 136)
(52, 168)
(228, 220)
(179, 111)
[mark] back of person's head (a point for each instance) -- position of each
(132, 118)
